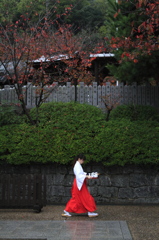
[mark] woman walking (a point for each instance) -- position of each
(81, 201)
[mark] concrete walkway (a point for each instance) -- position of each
(64, 230)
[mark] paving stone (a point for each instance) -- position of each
(67, 229)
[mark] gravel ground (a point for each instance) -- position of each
(143, 221)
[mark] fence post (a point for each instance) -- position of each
(5, 95)
(55, 92)
(108, 92)
(86, 93)
(125, 94)
(90, 98)
(29, 95)
(103, 95)
(95, 94)
(99, 100)
(148, 95)
(68, 87)
(73, 93)
(81, 92)
(134, 93)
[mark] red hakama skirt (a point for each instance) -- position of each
(81, 201)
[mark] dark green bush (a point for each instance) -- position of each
(114, 143)
(64, 131)
(49, 144)
(10, 114)
(68, 129)
(125, 142)
(71, 114)
(135, 112)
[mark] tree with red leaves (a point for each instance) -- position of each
(68, 58)
(135, 41)
(22, 43)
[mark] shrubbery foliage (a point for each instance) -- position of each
(66, 129)
(10, 114)
(135, 112)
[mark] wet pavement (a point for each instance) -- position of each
(64, 229)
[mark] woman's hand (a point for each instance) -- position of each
(89, 177)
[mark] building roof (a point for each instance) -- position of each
(102, 55)
(66, 56)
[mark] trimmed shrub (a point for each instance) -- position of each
(70, 113)
(125, 142)
(134, 113)
(10, 114)
(65, 130)
(70, 129)
(113, 143)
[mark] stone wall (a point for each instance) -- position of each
(115, 185)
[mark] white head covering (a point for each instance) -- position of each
(80, 174)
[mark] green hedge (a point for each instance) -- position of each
(65, 130)
(125, 142)
(69, 114)
(135, 113)
(10, 114)
(69, 129)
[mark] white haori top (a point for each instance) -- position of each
(80, 174)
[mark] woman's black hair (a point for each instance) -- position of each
(81, 156)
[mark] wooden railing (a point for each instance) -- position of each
(23, 191)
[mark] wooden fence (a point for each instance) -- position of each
(93, 95)
(23, 191)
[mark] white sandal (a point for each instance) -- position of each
(66, 214)
(92, 214)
